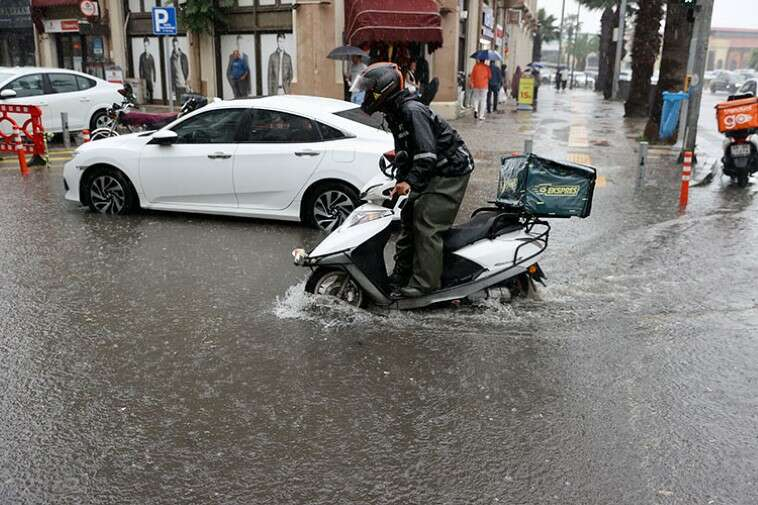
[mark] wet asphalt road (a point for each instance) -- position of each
(168, 358)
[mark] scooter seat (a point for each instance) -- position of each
(482, 225)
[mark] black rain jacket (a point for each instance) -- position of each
(434, 148)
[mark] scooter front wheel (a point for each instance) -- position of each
(337, 283)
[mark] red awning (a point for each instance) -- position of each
(54, 3)
(393, 21)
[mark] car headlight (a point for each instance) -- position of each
(366, 216)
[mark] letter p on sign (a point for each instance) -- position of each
(164, 20)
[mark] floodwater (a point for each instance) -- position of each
(167, 358)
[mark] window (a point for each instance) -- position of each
(28, 85)
(84, 83)
(329, 133)
(357, 115)
(213, 127)
(63, 83)
(272, 126)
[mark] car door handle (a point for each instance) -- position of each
(84, 99)
(307, 153)
(219, 156)
(42, 104)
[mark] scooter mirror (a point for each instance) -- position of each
(401, 157)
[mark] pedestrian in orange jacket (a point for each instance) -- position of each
(480, 81)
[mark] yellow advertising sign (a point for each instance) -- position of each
(526, 92)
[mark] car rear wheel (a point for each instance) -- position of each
(110, 192)
(99, 120)
(328, 205)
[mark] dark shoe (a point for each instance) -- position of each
(476, 115)
(408, 292)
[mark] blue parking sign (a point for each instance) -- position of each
(164, 20)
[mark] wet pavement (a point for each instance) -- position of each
(169, 358)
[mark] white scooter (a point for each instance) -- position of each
(494, 255)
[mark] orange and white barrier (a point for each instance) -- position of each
(684, 193)
(25, 138)
(85, 136)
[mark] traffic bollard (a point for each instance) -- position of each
(684, 194)
(20, 151)
(528, 146)
(643, 159)
(85, 136)
(64, 129)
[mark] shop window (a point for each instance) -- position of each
(28, 85)
(213, 127)
(269, 126)
(85, 83)
(63, 83)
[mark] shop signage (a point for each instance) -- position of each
(15, 14)
(488, 23)
(61, 25)
(89, 8)
(514, 17)
(114, 74)
(526, 93)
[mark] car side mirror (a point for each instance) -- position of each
(164, 137)
(7, 93)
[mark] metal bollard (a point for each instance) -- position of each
(20, 151)
(684, 193)
(64, 128)
(528, 146)
(643, 159)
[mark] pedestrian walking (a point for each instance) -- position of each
(239, 75)
(515, 83)
(496, 82)
(480, 81)
(356, 67)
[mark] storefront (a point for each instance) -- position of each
(257, 50)
(73, 35)
(16, 34)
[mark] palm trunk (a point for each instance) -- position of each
(645, 48)
(537, 48)
(676, 47)
(607, 53)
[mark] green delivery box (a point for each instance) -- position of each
(546, 188)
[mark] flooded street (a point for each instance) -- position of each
(170, 358)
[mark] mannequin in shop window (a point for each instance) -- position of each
(147, 70)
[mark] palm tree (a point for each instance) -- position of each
(607, 50)
(584, 44)
(645, 48)
(548, 31)
(676, 46)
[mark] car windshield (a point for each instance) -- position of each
(356, 114)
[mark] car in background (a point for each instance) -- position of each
(750, 86)
(55, 90)
(708, 76)
(297, 158)
(724, 81)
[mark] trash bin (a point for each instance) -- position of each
(672, 105)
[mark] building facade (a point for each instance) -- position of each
(279, 46)
(731, 48)
(16, 34)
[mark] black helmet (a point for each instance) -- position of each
(380, 81)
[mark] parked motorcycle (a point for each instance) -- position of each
(738, 120)
(123, 119)
(494, 255)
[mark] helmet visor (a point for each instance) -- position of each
(361, 83)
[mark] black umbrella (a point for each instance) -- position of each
(346, 52)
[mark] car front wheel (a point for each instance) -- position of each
(328, 206)
(110, 192)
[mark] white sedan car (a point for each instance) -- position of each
(54, 90)
(281, 157)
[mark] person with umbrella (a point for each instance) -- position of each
(356, 55)
(496, 82)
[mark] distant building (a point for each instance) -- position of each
(731, 48)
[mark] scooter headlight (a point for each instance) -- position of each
(366, 216)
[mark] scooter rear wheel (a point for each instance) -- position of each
(337, 283)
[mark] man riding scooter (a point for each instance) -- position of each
(435, 177)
